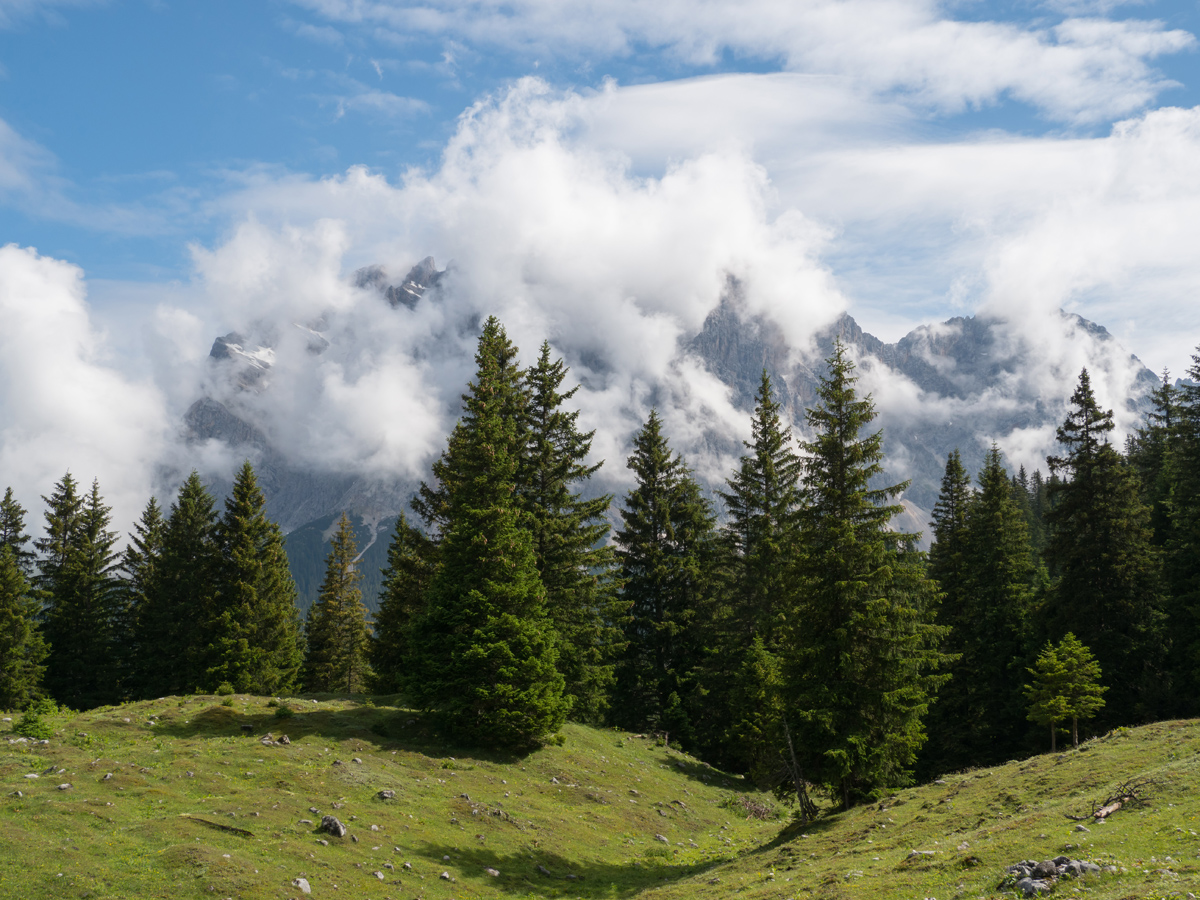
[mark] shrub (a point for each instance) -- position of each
(283, 712)
(224, 689)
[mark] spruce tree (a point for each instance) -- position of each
(574, 562)
(1149, 451)
(139, 569)
(484, 649)
(1108, 578)
(863, 659)
(22, 650)
(178, 599)
(999, 590)
(12, 532)
(949, 566)
(255, 627)
(1182, 544)
(79, 587)
(761, 544)
(336, 632)
(666, 549)
(412, 560)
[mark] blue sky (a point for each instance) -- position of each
(140, 111)
(595, 169)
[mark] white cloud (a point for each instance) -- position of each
(63, 403)
(1081, 69)
(13, 12)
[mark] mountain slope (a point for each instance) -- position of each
(196, 805)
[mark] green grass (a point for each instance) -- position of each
(183, 767)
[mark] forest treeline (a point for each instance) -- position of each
(796, 637)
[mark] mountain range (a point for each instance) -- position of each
(966, 383)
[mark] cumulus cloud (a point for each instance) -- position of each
(1080, 69)
(559, 239)
(64, 404)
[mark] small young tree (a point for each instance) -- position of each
(1066, 684)
(337, 632)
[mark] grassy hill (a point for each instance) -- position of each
(175, 798)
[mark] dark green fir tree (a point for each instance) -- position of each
(949, 566)
(484, 649)
(667, 549)
(22, 650)
(78, 583)
(996, 634)
(255, 629)
(574, 561)
(13, 534)
(412, 560)
(863, 654)
(176, 595)
(337, 636)
(1107, 586)
(139, 570)
(761, 545)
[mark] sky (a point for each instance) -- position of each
(594, 170)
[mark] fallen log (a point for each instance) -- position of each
(217, 825)
(1127, 793)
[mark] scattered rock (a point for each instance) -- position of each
(492, 872)
(374, 827)
(302, 884)
(659, 837)
(107, 777)
(305, 822)
(31, 775)
(314, 810)
(543, 870)
(379, 875)
(386, 795)
(354, 837)
(284, 740)
(17, 794)
(330, 825)
(322, 842)
(1082, 827)
(407, 865)
(554, 781)
(357, 760)
(65, 787)
(445, 876)
(915, 853)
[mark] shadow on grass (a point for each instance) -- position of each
(385, 728)
(704, 773)
(519, 874)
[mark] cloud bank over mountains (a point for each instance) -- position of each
(560, 236)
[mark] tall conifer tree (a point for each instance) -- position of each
(336, 633)
(411, 562)
(13, 534)
(1108, 585)
(761, 540)
(996, 634)
(484, 648)
(949, 566)
(862, 669)
(22, 650)
(178, 598)
(666, 549)
(574, 562)
(255, 637)
(79, 588)
(139, 568)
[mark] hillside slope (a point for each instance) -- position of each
(196, 805)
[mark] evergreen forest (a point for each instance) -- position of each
(780, 628)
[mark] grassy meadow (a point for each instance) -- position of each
(178, 798)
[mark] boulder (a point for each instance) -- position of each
(331, 825)
(302, 885)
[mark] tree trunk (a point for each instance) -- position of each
(808, 809)
(1053, 739)
(1075, 731)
